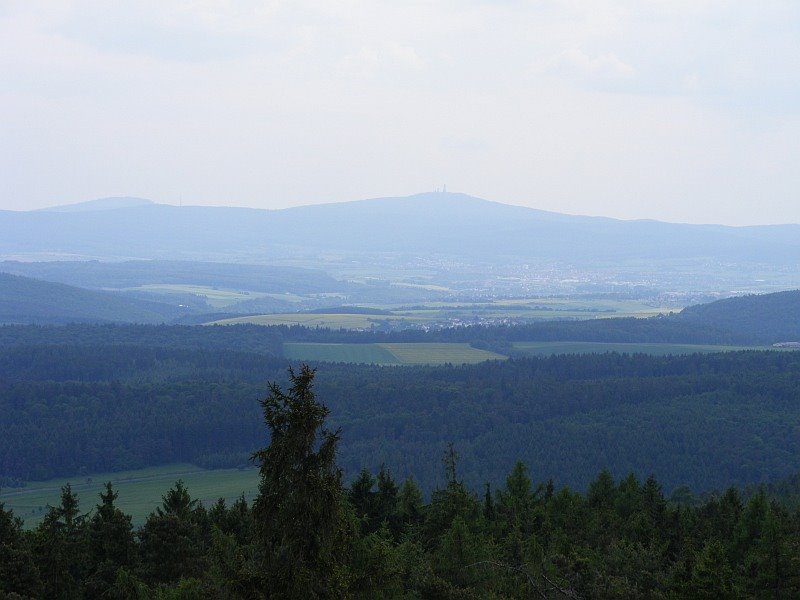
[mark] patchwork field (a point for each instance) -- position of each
(140, 491)
(389, 354)
(549, 348)
(516, 310)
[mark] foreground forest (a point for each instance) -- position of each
(307, 536)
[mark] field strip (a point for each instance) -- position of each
(324, 320)
(139, 491)
(79, 485)
(406, 353)
(426, 353)
(653, 348)
(346, 353)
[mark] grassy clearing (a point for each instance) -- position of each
(390, 354)
(549, 348)
(333, 321)
(531, 308)
(373, 354)
(216, 297)
(423, 286)
(439, 354)
(140, 491)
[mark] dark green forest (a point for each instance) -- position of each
(307, 535)
(707, 421)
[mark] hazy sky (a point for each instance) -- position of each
(667, 109)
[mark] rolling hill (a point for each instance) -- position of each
(136, 273)
(24, 300)
(768, 318)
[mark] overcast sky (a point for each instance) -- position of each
(666, 109)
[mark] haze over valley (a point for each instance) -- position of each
(434, 247)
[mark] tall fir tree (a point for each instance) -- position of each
(60, 548)
(300, 523)
(111, 543)
(18, 573)
(172, 545)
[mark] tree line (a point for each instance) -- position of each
(697, 327)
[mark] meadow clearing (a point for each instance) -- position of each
(656, 349)
(389, 354)
(140, 491)
(324, 320)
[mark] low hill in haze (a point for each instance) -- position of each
(135, 273)
(423, 225)
(24, 300)
(769, 318)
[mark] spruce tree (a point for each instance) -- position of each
(387, 502)
(172, 545)
(111, 543)
(60, 548)
(362, 497)
(300, 523)
(18, 573)
(410, 504)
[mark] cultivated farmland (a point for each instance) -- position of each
(332, 321)
(458, 313)
(374, 354)
(390, 354)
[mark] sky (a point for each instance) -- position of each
(675, 110)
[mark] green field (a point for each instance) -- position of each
(347, 353)
(549, 348)
(438, 354)
(140, 491)
(389, 354)
(333, 321)
(533, 309)
(216, 297)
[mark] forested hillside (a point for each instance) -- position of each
(707, 421)
(134, 273)
(768, 318)
(24, 300)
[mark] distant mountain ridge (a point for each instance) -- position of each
(433, 224)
